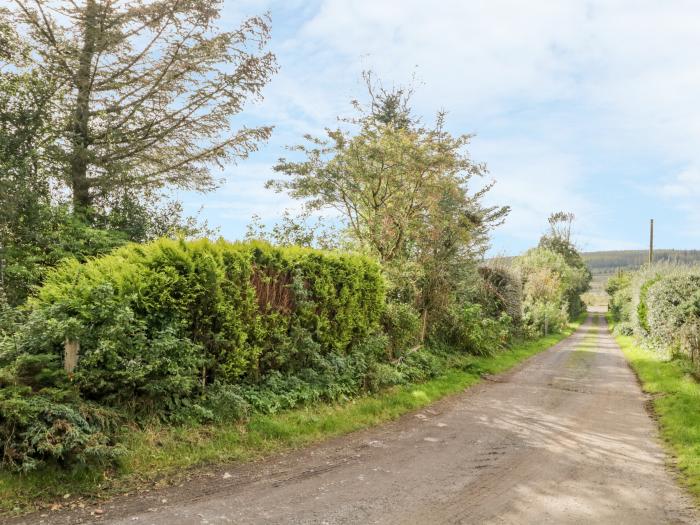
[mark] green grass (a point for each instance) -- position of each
(676, 401)
(162, 455)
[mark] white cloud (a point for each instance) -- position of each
(535, 180)
(556, 90)
(685, 185)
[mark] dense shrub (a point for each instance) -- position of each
(213, 331)
(671, 303)
(156, 320)
(500, 291)
(551, 289)
(43, 419)
(544, 317)
(402, 325)
(620, 297)
(624, 328)
(51, 235)
(468, 330)
(178, 330)
(640, 283)
(660, 305)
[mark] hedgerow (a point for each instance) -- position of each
(164, 327)
(672, 303)
(551, 288)
(206, 331)
(661, 306)
(160, 318)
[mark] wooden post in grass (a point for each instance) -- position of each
(651, 242)
(71, 350)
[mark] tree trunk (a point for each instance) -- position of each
(79, 158)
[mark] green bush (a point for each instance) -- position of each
(43, 419)
(466, 329)
(624, 328)
(402, 325)
(642, 308)
(158, 321)
(640, 283)
(184, 331)
(619, 293)
(50, 236)
(660, 305)
(671, 302)
(541, 317)
(552, 285)
(500, 292)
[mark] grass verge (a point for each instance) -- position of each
(161, 454)
(676, 398)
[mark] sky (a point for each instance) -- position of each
(585, 106)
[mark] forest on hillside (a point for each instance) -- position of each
(605, 262)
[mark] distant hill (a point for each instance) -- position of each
(610, 262)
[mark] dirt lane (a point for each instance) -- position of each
(564, 438)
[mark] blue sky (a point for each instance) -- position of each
(591, 107)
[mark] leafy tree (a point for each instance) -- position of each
(551, 287)
(149, 89)
(560, 224)
(558, 240)
(403, 192)
(386, 176)
(147, 216)
(25, 138)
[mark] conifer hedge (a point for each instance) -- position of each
(174, 327)
(165, 316)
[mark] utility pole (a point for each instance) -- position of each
(651, 242)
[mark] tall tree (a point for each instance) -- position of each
(392, 179)
(403, 192)
(558, 238)
(149, 89)
(36, 230)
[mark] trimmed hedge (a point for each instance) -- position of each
(672, 302)
(660, 305)
(184, 331)
(157, 321)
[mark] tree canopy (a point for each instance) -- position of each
(403, 192)
(147, 89)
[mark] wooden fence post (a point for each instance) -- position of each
(71, 350)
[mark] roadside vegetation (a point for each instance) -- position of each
(133, 344)
(660, 306)
(654, 313)
(158, 453)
